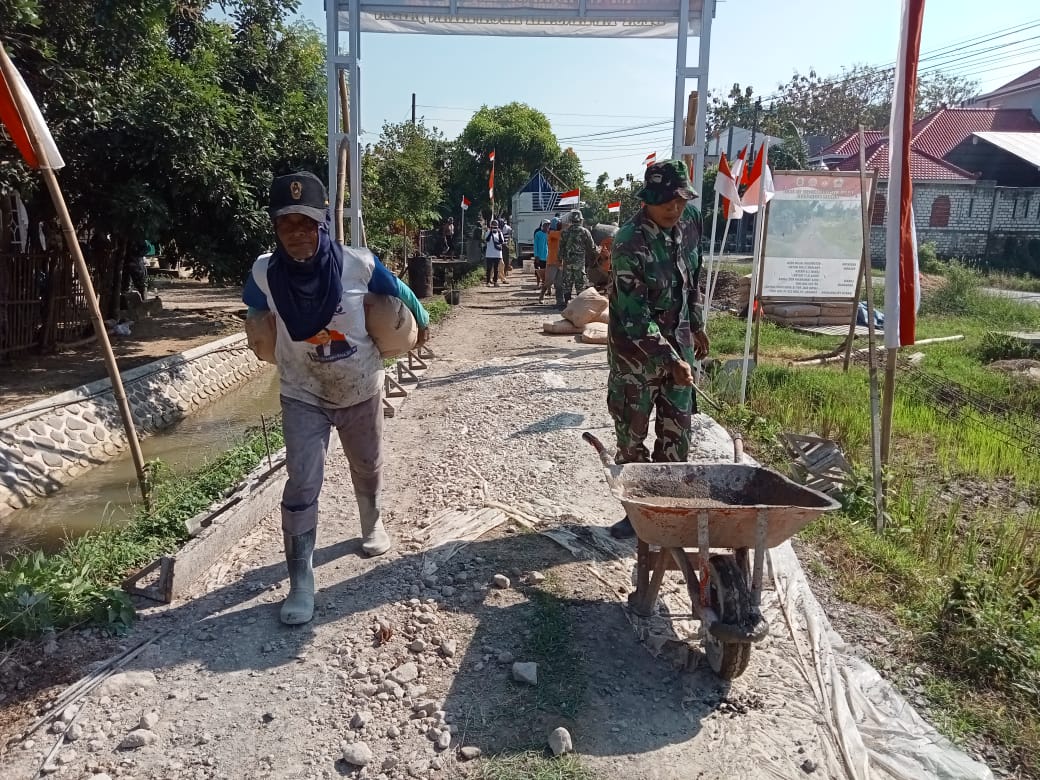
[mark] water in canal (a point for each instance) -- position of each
(107, 493)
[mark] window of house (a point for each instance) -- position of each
(877, 214)
(1021, 207)
(971, 207)
(940, 216)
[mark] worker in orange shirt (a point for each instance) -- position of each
(552, 262)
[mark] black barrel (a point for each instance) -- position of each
(420, 275)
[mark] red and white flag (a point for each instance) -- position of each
(614, 208)
(491, 179)
(31, 125)
(650, 159)
(726, 186)
(570, 198)
(740, 168)
(760, 184)
(901, 271)
(465, 203)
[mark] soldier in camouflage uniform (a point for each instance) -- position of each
(576, 249)
(655, 330)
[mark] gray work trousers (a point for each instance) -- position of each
(306, 429)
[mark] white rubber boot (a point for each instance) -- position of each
(298, 606)
(374, 538)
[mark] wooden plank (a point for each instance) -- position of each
(260, 495)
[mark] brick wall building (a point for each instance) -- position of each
(976, 174)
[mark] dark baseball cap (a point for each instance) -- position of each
(299, 193)
(665, 181)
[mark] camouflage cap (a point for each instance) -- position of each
(576, 217)
(665, 181)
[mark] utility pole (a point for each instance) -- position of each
(413, 109)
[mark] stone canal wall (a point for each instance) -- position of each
(48, 443)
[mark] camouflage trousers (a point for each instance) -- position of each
(571, 276)
(630, 400)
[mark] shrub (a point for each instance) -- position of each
(1001, 346)
(928, 259)
(959, 295)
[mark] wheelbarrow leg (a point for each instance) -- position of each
(650, 571)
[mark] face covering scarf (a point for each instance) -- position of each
(307, 292)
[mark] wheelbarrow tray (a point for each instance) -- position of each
(665, 500)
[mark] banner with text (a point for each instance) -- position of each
(567, 18)
(814, 236)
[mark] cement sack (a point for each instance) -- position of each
(560, 326)
(837, 309)
(262, 335)
(603, 316)
(390, 324)
(585, 307)
(594, 333)
(786, 310)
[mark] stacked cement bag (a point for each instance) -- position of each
(809, 314)
(585, 308)
(594, 333)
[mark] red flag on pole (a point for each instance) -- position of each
(901, 272)
(47, 155)
(614, 208)
(726, 185)
(760, 177)
(465, 203)
(570, 198)
(491, 179)
(650, 159)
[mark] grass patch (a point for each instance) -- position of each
(80, 583)
(561, 667)
(955, 565)
(532, 765)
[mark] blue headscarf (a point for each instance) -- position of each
(307, 293)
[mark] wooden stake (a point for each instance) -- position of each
(886, 409)
(868, 283)
(343, 154)
(72, 242)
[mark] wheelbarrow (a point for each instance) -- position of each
(742, 508)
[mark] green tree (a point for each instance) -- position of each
(404, 176)
(171, 122)
(523, 142)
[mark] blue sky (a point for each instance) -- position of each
(591, 86)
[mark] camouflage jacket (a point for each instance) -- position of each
(577, 246)
(653, 293)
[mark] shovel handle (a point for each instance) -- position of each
(604, 456)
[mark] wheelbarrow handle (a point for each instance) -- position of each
(604, 456)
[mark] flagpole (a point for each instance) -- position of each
(756, 271)
(718, 264)
(72, 242)
(462, 230)
(868, 283)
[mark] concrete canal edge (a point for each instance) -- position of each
(45, 445)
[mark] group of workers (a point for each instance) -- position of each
(567, 258)
(332, 374)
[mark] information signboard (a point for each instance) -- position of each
(814, 236)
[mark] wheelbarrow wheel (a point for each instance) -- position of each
(729, 597)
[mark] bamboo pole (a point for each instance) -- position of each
(886, 408)
(690, 130)
(69, 231)
(868, 283)
(343, 156)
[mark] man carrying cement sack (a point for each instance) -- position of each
(330, 369)
(655, 331)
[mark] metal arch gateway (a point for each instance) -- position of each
(679, 19)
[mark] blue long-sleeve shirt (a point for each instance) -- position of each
(541, 244)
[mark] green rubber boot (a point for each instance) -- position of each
(374, 538)
(298, 606)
